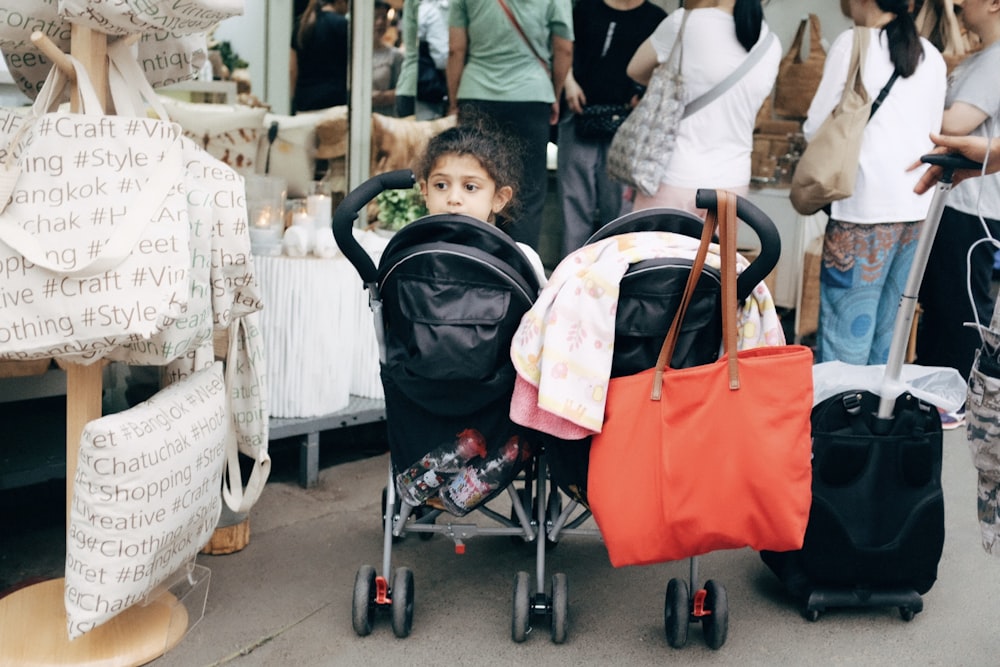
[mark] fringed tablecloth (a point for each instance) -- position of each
(318, 333)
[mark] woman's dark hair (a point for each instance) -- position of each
(307, 22)
(748, 16)
(495, 150)
(905, 49)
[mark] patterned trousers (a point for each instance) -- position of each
(864, 271)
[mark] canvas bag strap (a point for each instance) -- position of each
(752, 58)
(677, 50)
(239, 498)
(520, 31)
(859, 48)
(130, 88)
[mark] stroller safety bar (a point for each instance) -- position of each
(347, 213)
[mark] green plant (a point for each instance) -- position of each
(230, 58)
(397, 208)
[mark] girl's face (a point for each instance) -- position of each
(459, 184)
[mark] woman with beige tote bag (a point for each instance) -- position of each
(871, 236)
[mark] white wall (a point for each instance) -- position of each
(262, 37)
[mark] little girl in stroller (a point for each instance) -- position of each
(449, 291)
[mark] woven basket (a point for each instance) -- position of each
(772, 139)
(809, 302)
(798, 76)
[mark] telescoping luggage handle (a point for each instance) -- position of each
(347, 213)
(949, 163)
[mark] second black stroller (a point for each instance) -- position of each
(650, 292)
(447, 296)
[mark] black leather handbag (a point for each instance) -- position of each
(599, 122)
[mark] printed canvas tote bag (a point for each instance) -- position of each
(93, 234)
(641, 147)
(125, 17)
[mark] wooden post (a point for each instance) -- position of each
(33, 619)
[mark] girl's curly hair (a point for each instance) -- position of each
(495, 150)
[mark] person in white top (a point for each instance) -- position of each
(714, 144)
(871, 236)
(954, 273)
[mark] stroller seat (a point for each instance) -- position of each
(453, 291)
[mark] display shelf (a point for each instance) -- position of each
(358, 411)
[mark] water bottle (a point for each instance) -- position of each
(475, 482)
(423, 479)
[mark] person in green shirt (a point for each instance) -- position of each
(515, 75)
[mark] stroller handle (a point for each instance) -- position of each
(763, 227)
(347, 213)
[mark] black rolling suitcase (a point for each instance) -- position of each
(876, 526)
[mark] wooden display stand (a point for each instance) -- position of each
(33, 619)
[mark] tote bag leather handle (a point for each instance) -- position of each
(726, 212)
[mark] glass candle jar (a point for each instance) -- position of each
(266, 213)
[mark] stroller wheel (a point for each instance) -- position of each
(363, 607)
(560, 607)
(676, 613)
(402, 602)
(715, 625)
(522, 603)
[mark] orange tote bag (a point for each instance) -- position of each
(710, 457)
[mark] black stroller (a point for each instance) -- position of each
(650, 292)
(447, 296)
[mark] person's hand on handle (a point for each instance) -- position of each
(974, 148)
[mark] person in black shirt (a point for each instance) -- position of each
(607, 33)
(318, 62)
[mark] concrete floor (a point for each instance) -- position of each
(286, 598)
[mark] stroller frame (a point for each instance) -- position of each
(375, 593)
(685, 602)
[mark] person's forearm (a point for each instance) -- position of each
(640, 67)
(457, 51)
(961, 118)
(562, 61)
